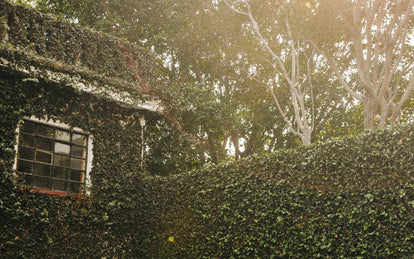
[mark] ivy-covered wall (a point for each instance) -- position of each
(34, 224)
(36, 47)
(45, 65)
(43, 46)
(116, 130)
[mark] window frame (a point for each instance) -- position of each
(57, 125)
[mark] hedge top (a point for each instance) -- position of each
(379, 159)
(42, 47)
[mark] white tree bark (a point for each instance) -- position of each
(303, 119)
(380, 31)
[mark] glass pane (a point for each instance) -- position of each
(43, 157)
(28, 127)
(61, 161)
(42, 170)
(62, 148)
(60, 172)
(44, 144)
(45, 131)
(25, 153)
(26, 140)
(76, 176)
(79, 139)
(78, 151)
(62, 135)
(24, 166)
(41, 182)
(59, 185)
(77, 163)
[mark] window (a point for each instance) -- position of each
(53, 157)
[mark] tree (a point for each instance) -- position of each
(294, 64)
(189, 46)
(223, 83)
(371, 55)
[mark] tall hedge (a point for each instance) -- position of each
(225, 213)
(347, 198)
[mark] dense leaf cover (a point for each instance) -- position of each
(32, 224)
(347, 197)
(40, 44)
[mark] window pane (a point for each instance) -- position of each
(45, 131)
(51, 158)
(60, 172)
(41, 182)
(62, 148)
(43, 157)
(76, 176)
(42, 170)
(62, 135)
(78, 151)
(58, 185)
(79, 139)
(28, 127)
(24, 166)
(44, 144)
(26, 153)
(26, 140)
(77, 163)
(61, 161)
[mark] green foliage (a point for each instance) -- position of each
(37, 44)
(206, 51)
(349, 197)
(34, 43)
(36, 225)
(116, 130)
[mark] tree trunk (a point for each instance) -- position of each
(369, 113)
(306, 137)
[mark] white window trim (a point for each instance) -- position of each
(59, 124)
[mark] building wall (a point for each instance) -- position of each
(116, 130)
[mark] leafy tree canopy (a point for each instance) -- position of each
(223, 82)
